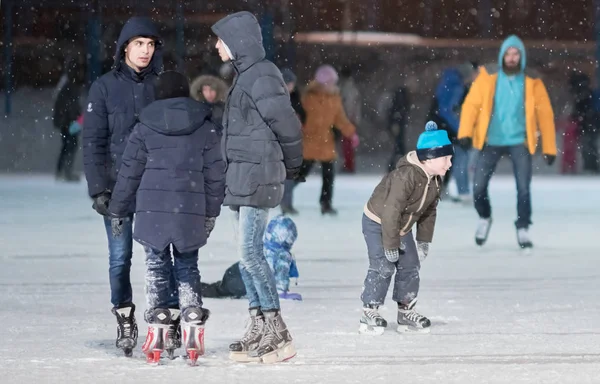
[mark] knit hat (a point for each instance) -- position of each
(171, 84)
(433, 143)
(326, 75)
(288, 76)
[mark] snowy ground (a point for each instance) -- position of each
(498, 316)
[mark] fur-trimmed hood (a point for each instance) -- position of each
(214, 82)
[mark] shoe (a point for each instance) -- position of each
(483, 230)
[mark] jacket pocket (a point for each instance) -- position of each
(242, 179)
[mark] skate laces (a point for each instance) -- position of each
(413, 316)
(253, 329)
(371, 313)
(270, 334)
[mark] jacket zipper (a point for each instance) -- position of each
(403, 230)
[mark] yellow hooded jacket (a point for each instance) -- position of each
(477, 108)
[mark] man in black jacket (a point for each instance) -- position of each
(262, 143)
(114, 104)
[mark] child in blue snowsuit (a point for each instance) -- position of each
(280, 235)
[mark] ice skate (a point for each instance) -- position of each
(288, 210)
(524, 239)
(483, 230)
(192, 325)
(238, 351)
(159, 322)
(276, 342)
(410, 320)
(127, 331)
(371, 322)
(327, 209)
(173, 340)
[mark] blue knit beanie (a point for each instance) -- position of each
(433, 143)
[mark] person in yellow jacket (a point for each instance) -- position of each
(506, 109)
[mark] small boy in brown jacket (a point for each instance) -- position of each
(406, 196)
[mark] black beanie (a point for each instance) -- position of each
(171, 84)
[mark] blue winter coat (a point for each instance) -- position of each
(449, 94)
(173, 169)
(115, 102)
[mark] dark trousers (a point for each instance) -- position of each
(589, 150)
(326, 190)
(66, 158)
(486, 164)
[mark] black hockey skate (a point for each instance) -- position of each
(410, 320)
(371, 322)
(173, 340)
(239, 350)
(127, 331)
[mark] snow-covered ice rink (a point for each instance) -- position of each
(499, 316)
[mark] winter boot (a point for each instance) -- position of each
(524, 239)
(483, 230)
(173, 340)
(159, 323)
(276, 343)
(411, 320)
(371, 322)
(239, 350)
(127, 331)
(192, 324)
(327, 209)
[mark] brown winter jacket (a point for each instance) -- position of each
(323, 107)
(405, 196)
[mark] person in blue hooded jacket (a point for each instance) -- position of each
(114, 104)
(445, 111)
(172, 167)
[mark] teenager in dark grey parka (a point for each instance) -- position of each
(262, 142)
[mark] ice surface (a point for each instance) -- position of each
(499, 316)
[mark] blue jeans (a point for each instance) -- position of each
(163, 273)
(120, 250)
(256, 273)
(487, 160)
(460, 169)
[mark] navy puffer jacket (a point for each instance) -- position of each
(173, 169)
(115, 102)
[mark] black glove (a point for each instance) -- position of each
(209, 225)
(100, 204)
(294, 174)
(116, 224)
(465, 143)
(549, 159)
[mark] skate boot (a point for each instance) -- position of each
(288, 210)
(327, 209)
(276, 342)
(192, 325)
(159, 322)
(127, 331)
(483, 230)
(411, 320)
(239, 350)
(524, 239)
(173, 340)
(371, 322)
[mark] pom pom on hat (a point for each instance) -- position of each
(433, 143)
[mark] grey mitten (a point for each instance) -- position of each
(392, 255)
(209, 225)
(422, 250)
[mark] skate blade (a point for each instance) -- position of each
(153, 357)
(279, 355)
(408, 329)
(243, 357)
(365, 329)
